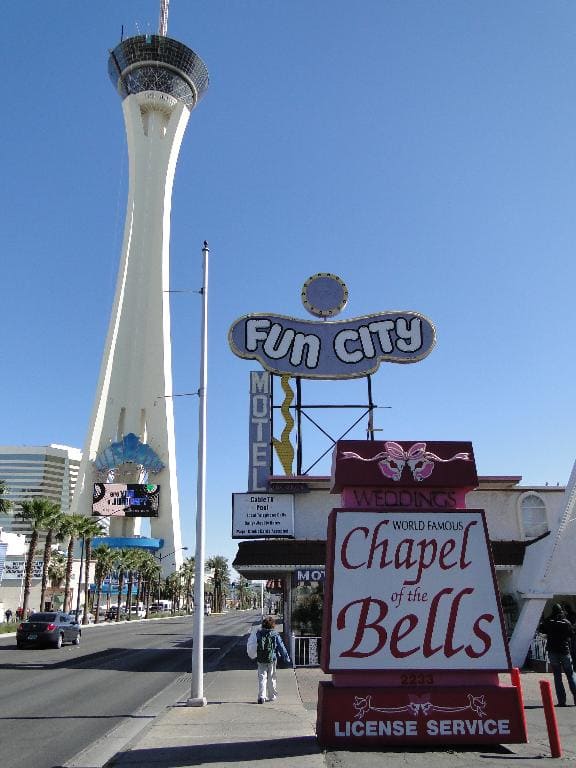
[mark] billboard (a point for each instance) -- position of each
(125, 500)
(15, 569)
(411, 590)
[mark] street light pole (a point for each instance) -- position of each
(197, 698)
(79, 581)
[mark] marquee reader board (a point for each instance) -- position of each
(262, 515)
(411, 590)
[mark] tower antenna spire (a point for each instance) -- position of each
(163, 23)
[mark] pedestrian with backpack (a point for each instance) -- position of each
(269, 647)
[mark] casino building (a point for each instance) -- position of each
(32, 471)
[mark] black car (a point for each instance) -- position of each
(112, 612)
(48, 628)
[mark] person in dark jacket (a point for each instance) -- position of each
(571, 616)
(270, 647)
(559, 633)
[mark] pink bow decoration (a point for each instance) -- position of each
(392, 461)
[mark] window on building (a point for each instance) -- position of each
(533, 517)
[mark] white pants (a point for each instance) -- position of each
(267, 680)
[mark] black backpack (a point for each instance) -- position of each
(266, 648)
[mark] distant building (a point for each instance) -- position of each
(13, 552)
(37, 471)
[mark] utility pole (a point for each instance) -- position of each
(197, 694)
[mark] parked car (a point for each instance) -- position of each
(161, 606)
(48, 628)
(80, 614)
(137, 610)
(112, 612)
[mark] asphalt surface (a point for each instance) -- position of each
(55, 703)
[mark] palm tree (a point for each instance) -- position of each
(150, 573)
(88, 530)
(57, 569)
(122, 561)
(220, 580)
(245, 592)
(174, 585)
(148, 570)
(51, 524)
(187, 570)
(133, 562)
(143, 561)
(36, 512)
(70, 528)
(5, 504)
(104, 564)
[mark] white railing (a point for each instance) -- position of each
(538, 648)
(305, 651)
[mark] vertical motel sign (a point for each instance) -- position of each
(260, 431)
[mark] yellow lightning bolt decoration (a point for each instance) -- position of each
(284, 448)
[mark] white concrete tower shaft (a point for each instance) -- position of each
(160, 81)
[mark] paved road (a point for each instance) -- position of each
(54, 703)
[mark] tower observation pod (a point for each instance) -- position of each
(130, 437)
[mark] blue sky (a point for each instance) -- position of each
(424, 151)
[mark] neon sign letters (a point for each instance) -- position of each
(332, 349)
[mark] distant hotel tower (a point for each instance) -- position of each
(131, 434)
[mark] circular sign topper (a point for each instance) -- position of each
(324, 295)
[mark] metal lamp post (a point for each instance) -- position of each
(79, 581)
(197, 698)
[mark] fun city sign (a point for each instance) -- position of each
(322, 349)
(413, 632)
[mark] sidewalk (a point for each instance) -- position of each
(235, 731)
(232, 730)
